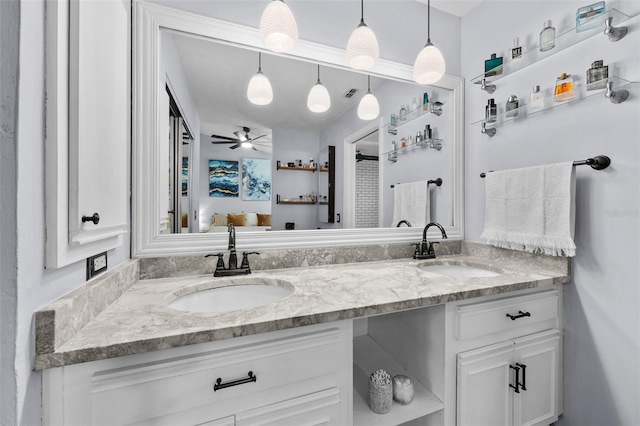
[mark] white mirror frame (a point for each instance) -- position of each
(146, 238)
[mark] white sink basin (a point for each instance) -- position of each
(231, 298)
(459, 271)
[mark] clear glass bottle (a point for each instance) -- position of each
(491, 111)
(597, 76)
(403, 113)
(516, 51)
(547, 37)
(564, 88)
(414, 104)
(537, 100)
(511, 108)
(392, 122)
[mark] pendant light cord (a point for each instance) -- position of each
(259, 61)
(428, 21)
(362, 12)
(318, 74)
(368, 84)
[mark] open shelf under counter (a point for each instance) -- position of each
(368, 356)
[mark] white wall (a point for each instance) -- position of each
(602, 303)
(31, 286)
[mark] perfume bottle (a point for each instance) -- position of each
(403, 113)
(425, 102)
(511, 108)
(414, 104)
(564, 88)
(516, 51)
(547, 37)
(493, 66)
(428, 133)
(537, 100)
(491, 111)
(597, 76)
(392, 122)
(419, 138)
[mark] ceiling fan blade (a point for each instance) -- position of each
(227, 142)
(254, 148)
(258, 137)
(240, 136)
(235, 146)
(223, 137)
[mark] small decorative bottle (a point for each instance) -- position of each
(491, 111)
(516, 51)
(425, 102)
(392, 122)
(414, 105)
(493, 66)
(597, 76)
(547, 37)
(564, 88)
(537, 100)
(403, 113)
(511, 109)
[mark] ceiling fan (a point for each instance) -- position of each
(243, 140)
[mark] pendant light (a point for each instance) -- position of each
(318, 99)
(368, 108)
(278, 27)
(362, 49)
(259, 91)
(429, 66)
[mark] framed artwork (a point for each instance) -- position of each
(223, 178)
(185, 176)
(256, 179)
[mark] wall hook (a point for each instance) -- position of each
(612, 32)
(616, 96)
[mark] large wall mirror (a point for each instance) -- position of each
(204, 156)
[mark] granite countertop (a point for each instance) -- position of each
(140, 321)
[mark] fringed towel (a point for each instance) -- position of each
(411, 203)
(532, 209)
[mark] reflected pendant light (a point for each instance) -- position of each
(429, 66)
(362, 49)
(368, 108)
(259, 91)
(318, 99)
(278, 27)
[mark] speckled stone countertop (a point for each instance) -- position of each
(140, 321)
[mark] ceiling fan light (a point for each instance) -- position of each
(259, 91)
(318, 100)
(362, 49)
(278, 27)
(429, 66)
(246, 144)
(368, 108)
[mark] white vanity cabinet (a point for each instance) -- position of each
(507, 354)
(299, 379)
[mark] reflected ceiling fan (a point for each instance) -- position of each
(243, 140)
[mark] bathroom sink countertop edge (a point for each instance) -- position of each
(141, 321)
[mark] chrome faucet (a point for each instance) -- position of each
(233, 269)
(424, 249)
(406, 222)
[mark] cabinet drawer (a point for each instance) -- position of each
(532, 311)
(157, 389)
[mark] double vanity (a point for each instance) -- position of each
(476, 330)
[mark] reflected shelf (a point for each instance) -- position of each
(282, 166)
(430, 143)
(300, 201)
(434, 108)
(549, 102)
(563, 40)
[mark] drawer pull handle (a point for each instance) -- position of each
(520, 315)
(95, 218)
(517, 378)
(523, 385)
(220, 385)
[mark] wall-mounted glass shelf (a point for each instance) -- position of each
(432, 143)
(413, 114)
(564, 40)
(549, 102)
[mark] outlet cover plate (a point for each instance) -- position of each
(96, 265)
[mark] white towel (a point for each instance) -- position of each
(411, 203)
(532, 209)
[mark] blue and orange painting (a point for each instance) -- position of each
(223, 178)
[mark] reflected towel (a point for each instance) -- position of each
(532, 209)
(411, 203)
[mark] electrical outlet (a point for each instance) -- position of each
(96, 265)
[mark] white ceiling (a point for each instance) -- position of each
(454, 7)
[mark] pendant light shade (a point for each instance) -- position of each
(278, 27)
(362, 49)
(368, 108)
(259, 91)
(318, 99)
(429, 66)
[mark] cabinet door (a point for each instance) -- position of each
(316, 409)
(484, 397)
(539, 359)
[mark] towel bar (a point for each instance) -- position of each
(598, 162)
(438, 182)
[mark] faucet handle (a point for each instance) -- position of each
(245, 259)
(220, 263)
(430, 249)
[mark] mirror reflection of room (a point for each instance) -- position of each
(259, 167)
